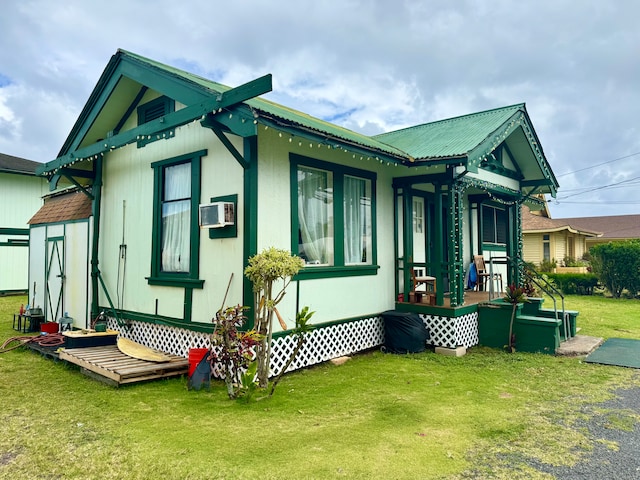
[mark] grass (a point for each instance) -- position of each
(485, 415)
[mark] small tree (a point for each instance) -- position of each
(513, 295)
(266, 270)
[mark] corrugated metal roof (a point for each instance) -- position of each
(280, 112)
(453, 137)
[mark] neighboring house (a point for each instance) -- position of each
(21, 194)
(547, 240)
(153, 144)
(614, 228)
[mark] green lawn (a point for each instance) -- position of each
(425, 416)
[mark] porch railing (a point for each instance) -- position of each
(546, 287)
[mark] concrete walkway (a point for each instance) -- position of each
(580, 345)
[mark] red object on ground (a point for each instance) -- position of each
(195, 357)
(49, 327)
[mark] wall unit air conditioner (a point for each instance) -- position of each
(217, 214)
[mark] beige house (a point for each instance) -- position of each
(547, 239)
(614, 228)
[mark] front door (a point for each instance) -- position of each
(54, 295)
(419, 234)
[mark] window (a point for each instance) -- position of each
(494, 225)
(333, 214)
(546, 247)
(176, 236)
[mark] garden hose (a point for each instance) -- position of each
(49, 340)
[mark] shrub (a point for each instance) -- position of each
(547, 266)
(574, 283)
(617, 265)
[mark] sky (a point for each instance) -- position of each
(369, 65)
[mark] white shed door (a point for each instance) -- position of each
(55, 278)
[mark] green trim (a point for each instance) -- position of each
(339, 269)
(250, 221)
(188, 304)
(14, 231)
(13, 242)
(96, 203)
(130, 110)
(318, 326)
(230, 231)
(451, 312)
(158, 277)
(161, 320)
(63, 222)
(166, 281)
(313, 273)
(211, 123)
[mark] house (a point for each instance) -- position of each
(554, 240)
(21, 196)
(614, 228)
(188, 178)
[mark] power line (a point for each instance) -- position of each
(600, 188)
(598, 165)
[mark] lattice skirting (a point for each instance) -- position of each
(321, 344)
(452, 332)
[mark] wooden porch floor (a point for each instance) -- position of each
(471, 297)
(109, 365)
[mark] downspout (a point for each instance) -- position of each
(95, 239)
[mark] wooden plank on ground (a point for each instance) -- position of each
(116, 367)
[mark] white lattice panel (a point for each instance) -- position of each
(325, 343)
(452, 332)
(320, 345)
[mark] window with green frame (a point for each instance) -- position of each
(333, 217)
(494, 225)
(176, 234)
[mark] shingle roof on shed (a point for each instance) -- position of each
(63, 208)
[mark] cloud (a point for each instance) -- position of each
(370, 65)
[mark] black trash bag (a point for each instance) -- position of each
(201, 375)
(404, 332)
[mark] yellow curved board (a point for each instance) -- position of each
(135, 350)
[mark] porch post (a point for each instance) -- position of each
(438, 247)
(514, 274)
(96, 190)
(456, 265)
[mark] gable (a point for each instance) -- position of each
(130, 81)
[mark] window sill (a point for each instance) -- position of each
(176, 282)
(311, 273)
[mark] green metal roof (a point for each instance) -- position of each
(468, 139)
(453, 137)
(280, 114)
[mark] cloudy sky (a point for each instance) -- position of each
(370, 65)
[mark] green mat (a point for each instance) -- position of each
(624, 352)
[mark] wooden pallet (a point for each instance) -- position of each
(109, 365)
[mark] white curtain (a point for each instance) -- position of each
(357, 220)
(315, 222)
(176, 218)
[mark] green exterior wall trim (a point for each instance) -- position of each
(250, 221)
